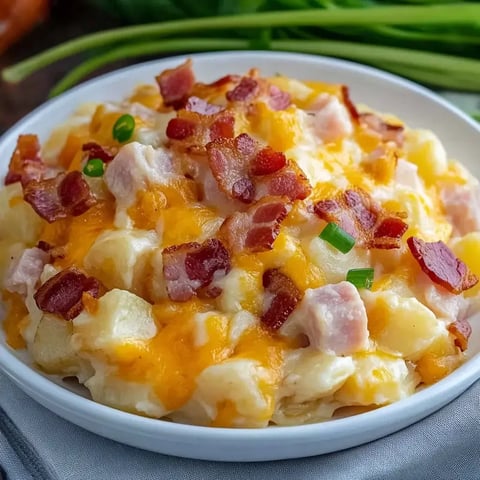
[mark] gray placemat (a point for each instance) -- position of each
(444, 446)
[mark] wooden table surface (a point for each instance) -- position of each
(68, 19)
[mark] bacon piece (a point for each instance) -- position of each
(387, 131)
(191, 131)
(461, 330)
(198, 105)
(281, 298)
(360, 216)
(256, 229)
(59, 197)
(267, 161)
(25, 270)
(229, 160)
(347, 101)
(180, 129)
(441, 265)
(289, 181)
(94, 150)
(190, 268)
(247, 89)
(250, 89)
(334, 319)
(176, 84)
(238, 166)
(62, 294)
(25, 163)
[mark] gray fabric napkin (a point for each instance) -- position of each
(38, 445)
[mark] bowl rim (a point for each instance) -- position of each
(23, 374)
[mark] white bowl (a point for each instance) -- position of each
(417, 106)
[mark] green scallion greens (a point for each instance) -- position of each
(432, 42)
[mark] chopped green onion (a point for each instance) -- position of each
(94, 168)
(361, 277)
(337, 237)
(123, 128)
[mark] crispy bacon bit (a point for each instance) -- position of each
(360, 216)
(62, 294)
(267, 161)
(229, 160)
(222, 127)
(256, 229)
(347, 101)
(198, 105)
(289, 181)
(441, 265)
(59, 197)
(461, 330)
(245, 171)
(247, 89)
(176, 84)
(191, 131)
(250, 89)
(94, 150)
(387, 131)
(25, 163)
(180, 129)
(282, 296)
(190, 268)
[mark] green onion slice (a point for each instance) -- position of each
(94, 168)
(361, 277)
(337, 237)
(123, 128)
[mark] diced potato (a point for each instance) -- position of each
(310, 375)
(52, 348)
(229, 394)
(18, 221)
(121, 317)
(334, 263)
(118, 258)
(108, 389)
(379, 379)
(423, 215)
(425, 150)
(401, 326)
(299, 413)
(239, 290)
(467, 248)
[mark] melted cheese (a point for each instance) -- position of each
(14, 321)
(77, 234)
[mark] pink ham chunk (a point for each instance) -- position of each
(462, 207)
(333, 317)
(135, 168)
(25, 270)
(330, 119)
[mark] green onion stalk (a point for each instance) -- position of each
(436, 69)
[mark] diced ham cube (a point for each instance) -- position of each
(333, 317)
(330, 119)
(134, 168)
(25, 270)
(462, 207)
